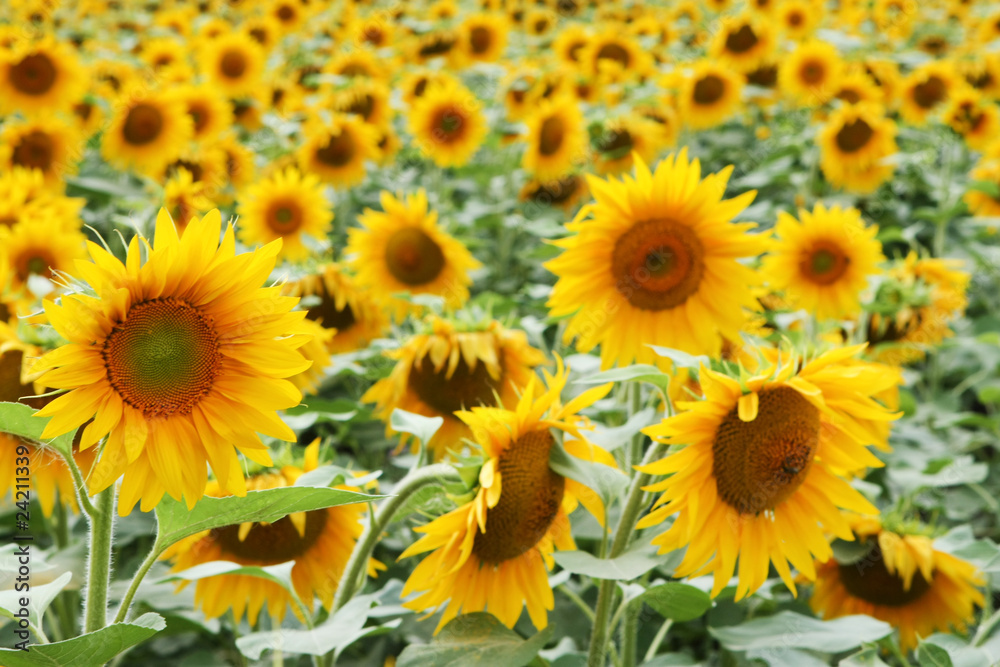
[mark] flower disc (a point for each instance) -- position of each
(869, 579)
(664, 261)
(413, 257)
(463, 389)
(271, 543)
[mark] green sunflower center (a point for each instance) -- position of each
(530, 497)
(270, 543)
(413, 257)
(34, 151)
(551, 136)
(759, 464)
(284, 217)
(33, 261)
(163, 358)
(854, 136)
(870, 580)
(825, 263)
(34, 75)
(658, 264)
(464, 389)
(143, 124)
(708, 89)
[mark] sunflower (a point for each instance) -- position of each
(40, 76)
(88, 116)
(288, 205)
(983, 74)
(742, 43)
(625, 137)
(926, 90)
(823, 260)
(885, 75)
(210, 112)
(316, 351)
(51, 144)
(494, 551)
(570, 44)
(402, 249)
(655, 260)
(902, 580)
(483, 37)
(283, 96)
(975, 118)
(41, 247)
(450, 367)
(233, 63)
(170, 363)
(709, 95)
(856, 86)
(240, 167)
(854, 143)
(357, 63)
(415, 84)
(338, 150)
(448, 125)
(758, 475)
(567, 193)
(366, 98)
(262, 29)
(185, 198)
(320, 542)
(809, 75)
(288, 15)
(557, 139)
(372, 31)
(616, 55)
(207, 165)
(332, 299)
(161, 53)
(798, 19)
(149, 130)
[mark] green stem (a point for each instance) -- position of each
(102, 524)
(658, 640)
(634, 407)
(606, 593)
(140, 574)
(986, 629)
(890, 643)
(630, 635)
(81, 487)
(352, 580)
(65, 602)
(578, 601)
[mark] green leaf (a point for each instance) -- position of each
(676, 601)
(39, 599)
(18, 419)
(957, 650)
(477, 638)
(422, 427)
(332, 475)
(176, 522)
(639, 559)
(90, 650)
(788, 629)
(847, 553)
(931, 655)
(783, 656)
(989, 187)
(681, 359)
(613, 438)
(280, 574)
(867, 657)
(640, 372)
(609, 483)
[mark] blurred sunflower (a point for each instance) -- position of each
(483, 37)
(185, 198)
(40, 76)
(366, 98)
(570, 44)
(654, 260)
(357, 63)
(556, 141)
(809, 75)
(614, 54)
(885, 75)
(315, 350)
(823, 260)
(798, 19)
(287, 205)
(624, 137)
(566, 193)
(211, 114)
(855, 86)
(758, 473)
(853, 144)
(233, 63)
(320, 542)
(149, 130)
(166, 361)
(926, 90)
(742, 43)
(88, 116)
(448, 125)
(494, 551)
(239, 160)
(40, 247)
(976, 119)
(403, 249)
(452, 367)
(902, 580)
(51, 144)
(337, 151)
(414, 84)
(709, 95)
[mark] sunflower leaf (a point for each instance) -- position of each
(477, 638)
(608, 482)
(640, 372)
(790, 630)
(932, 655)
(676, 601)
(280, 574)
(39, 599)
(90, 650)
(680, 358)
(19, 419)
(420, 426)
(635, 562)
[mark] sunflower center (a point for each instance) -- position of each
(825, 263)
(271, 543)
(83, 110)
(614, 52)
(35, 261)
(11, 389)
(199, 116)
(286, 13)
(708, 89)
(413, 257)
(233, 64)
(143, 124)
(34, 151)
(812, 72)
(34, 75)
(758, 464)
(875, 584)
(551, 136)
(339, 151)
(658, 264)
(765, 76)
(449, 125)
(929, 93)
(795, 19)
(480, 39)
(284, 217)
(163, 358)
(327, 313)
(854, 136)
(742, 40)
(530, 496)
(464, 389)
(362, 105)
(849, 95)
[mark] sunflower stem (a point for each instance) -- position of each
(986, 629)
(102, 524)
(81, 487)
(140, 574)
(661, 634)
(634, 407)
(578, 601)
(623, 533)
(897, 653)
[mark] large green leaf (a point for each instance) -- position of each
(280, 574)
(19, 419)
(609, 483)
(677, 601)
(422, 427)
(90, 650)
(680, 358)
(640, 372)
(475, 639)
(868, 657)
(39, 599)
(639, 559)
(791, 630)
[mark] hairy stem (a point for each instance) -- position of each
(102, 524)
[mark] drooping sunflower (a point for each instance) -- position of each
(926, 90)
(759, 475)
(332, 299)
(40, 247)
(320, 542)
(171, 365)
(49, 143)
(452, 367)
(483, 37)
(338, 150)
(494, 552)
(975, 118)
(902, 580)
(556, 140)
(403, 249)
(211, 114)
(742, 42)
(854, 143)
(654, 260)
(448, 125)
(233, 63)
(809, 75)
(287, 205)
(823, 260)
(40, 76)
(709, 95)
(149, 130)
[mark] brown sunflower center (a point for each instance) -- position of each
(765, 76)
(615, 52)
(449, 124)
(270, 543)
(883, 329)
(200, 115)
(929, 93)
(530, 496)
(708, 89)
(34, 75)
(854, 136)
(163, 358)
(284, 216)
(233, 64)
(34, 151)
(870, 580)
(812, 72)
(795, 19)
(616, 143)
(83, 110)
(413, 257)
(849, 95)
(338, 151)
(480, 39)
(551, 135)
(327, 313)
(758, 464)
(825, 263)
(143, 124)
(11, 389)
(286, 13)
(658, 264)
(464, 389)
(742, 40)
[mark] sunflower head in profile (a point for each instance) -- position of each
(655, 260)
(854, 144)
(975, 118)
(357, 63)
(320, 542)
(403, 249)
(483, 37)
(450, 367)
(885, 75)
(823, 260)
(901, 579)
(49, 143)
(925, 91)
(148, 130)
(333, 300)
(185, 198)
(288, 206)
(709, 95)
(41, 248)
(239, 160)
(177, 360)
(809, 75)
(492, 554)
(337, 150)
(448, 124)
(40, 76)
(556, 141)
(233, 63)
(742, 42)
(759, 475)
(983, 74)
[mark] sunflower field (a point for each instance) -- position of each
(547, 333)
